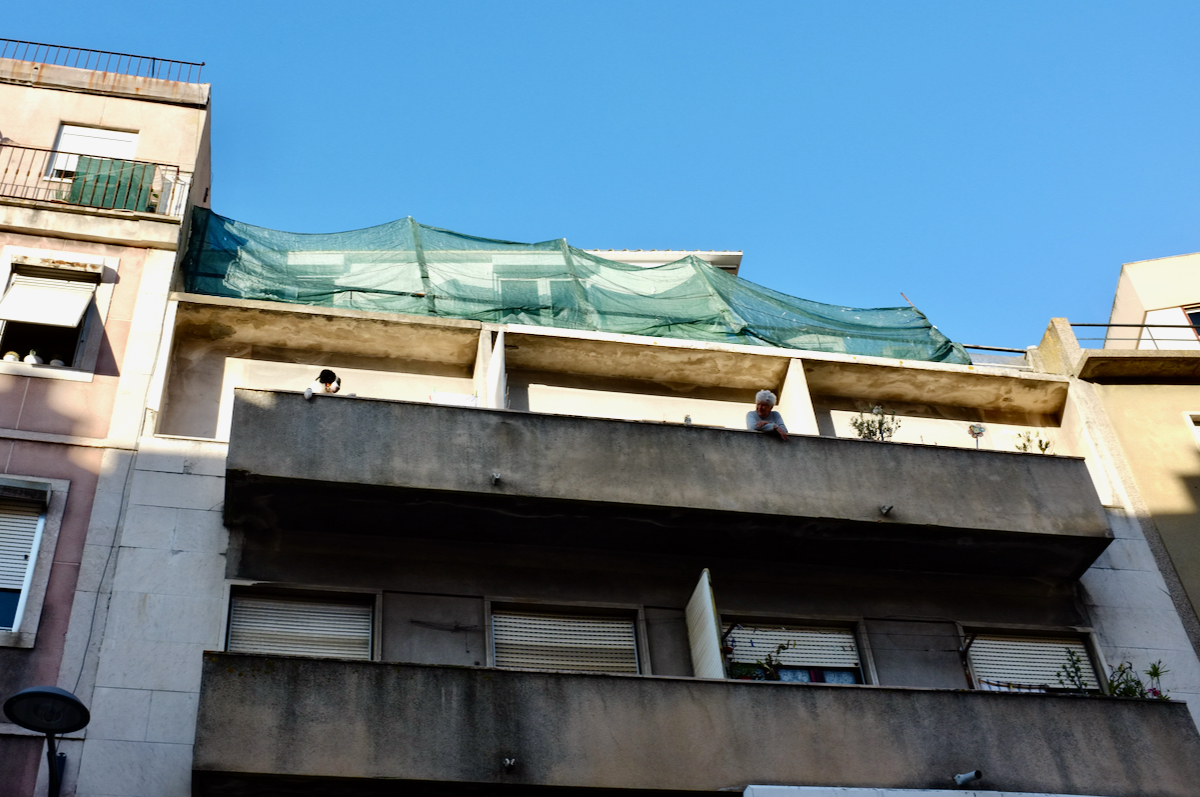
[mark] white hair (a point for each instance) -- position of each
(765, 395)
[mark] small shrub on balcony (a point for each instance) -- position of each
(1030, 442)
(876, 426)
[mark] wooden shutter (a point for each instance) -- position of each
(564, 642)
(704, 630)
(807, 647)
(1026, 664)
(300, 627)
(18, 534)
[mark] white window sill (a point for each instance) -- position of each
(45, 371)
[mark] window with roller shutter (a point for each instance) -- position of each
(1003, 663)
(21, 524)
(581, 643)
(798, 654)
(301, 626)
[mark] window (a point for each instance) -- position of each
(74, 141)
(1028, 664)
(580, 643)
(335, 627)
(30, 516)
(798, 654)
(44, 309)
(21, 525)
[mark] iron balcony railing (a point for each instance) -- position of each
(1144, 336)
(101, 61)
(89, 181)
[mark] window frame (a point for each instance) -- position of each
(635, 611)
(293, 591)
(52, 514)
(91, 327)
(66, 128)
(856, 625)
(1085, 634)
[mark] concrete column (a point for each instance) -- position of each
(497, 376)
(795, 402)
(483, 357)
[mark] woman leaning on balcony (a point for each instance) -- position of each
(764, 418)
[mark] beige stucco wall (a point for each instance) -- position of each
(1160, 445)
(169, 134)
(204, 374)
(1150, 285)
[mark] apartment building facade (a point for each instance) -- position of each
(100, 156)
(513, 556)
(530, 545)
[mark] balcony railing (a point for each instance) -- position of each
(101, 61)
(324, 726)
(649, 486)
(93, 182)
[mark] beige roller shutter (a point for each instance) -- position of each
(18, 534)
(300, 627)
(564, 642)
(54, 302)
(1026, 664)
(807, 647)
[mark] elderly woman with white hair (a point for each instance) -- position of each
(764, 418)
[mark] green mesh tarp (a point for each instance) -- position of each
(406, 267)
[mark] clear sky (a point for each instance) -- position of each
(996, 162)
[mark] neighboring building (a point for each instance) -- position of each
(98, 164)
(1147, 378)
(527, 548)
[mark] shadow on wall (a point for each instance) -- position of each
(23, 667)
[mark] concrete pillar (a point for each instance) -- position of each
(795, 402)
(1059, 351)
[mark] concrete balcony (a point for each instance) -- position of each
(335, 727)
(409, 469)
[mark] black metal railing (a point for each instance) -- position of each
(89, 181)
(101, 61)
(1148, 336)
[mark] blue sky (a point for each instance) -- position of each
(996, 162)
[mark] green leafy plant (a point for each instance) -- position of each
(1033, 441)
(1127, 682)
(1071, 674)
(771, 663)
(876, 426)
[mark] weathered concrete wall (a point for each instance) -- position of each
(167, 132)
(443, 583)
(348, 719)
(1160, 444)
(1044, 502)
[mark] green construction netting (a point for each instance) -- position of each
(406, 267)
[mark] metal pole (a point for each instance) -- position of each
(55, 768)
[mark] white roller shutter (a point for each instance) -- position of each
(18, 532)
(93, 141)
(704, 630)
(20, 535)
(1026, 664)
(54, 302)
(300, 627)
(564, 642)
(807, 647)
